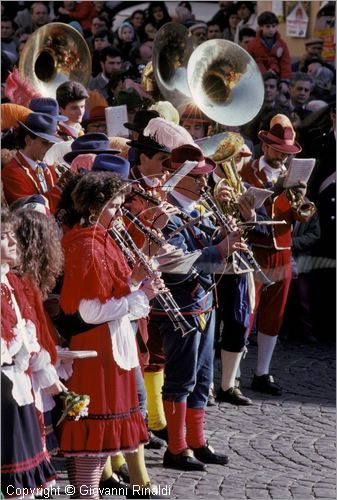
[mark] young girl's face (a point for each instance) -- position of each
(158, 13)
(126, 34)
(233, 21)
(8, 246)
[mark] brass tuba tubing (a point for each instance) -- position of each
(55, 53)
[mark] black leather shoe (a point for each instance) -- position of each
(112, 482)
(266, 384)
(123, 473)
(211, 400)
(233, 396)
(207, 455)
(211, 397)
(155, 443)
(182, 461)
(161, 434)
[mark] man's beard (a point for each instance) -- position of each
(277, 164)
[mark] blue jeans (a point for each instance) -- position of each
(188, 362)
(141, 390)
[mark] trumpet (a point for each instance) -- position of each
(165, 299)
(248, 257)
(303, 207)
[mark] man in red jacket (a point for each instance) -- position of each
(26, 174)
(268, 49)
(273, 251)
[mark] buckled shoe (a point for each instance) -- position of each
(266, 384)
(155, 442)
(234, 396)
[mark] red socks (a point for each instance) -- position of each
(195, 427)
(175, 414)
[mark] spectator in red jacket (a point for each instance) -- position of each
(83, 12)
(268, 49)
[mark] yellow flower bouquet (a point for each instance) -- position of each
(75, 405)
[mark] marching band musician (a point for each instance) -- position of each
(195, 122)
(273, 251)
(96, 294)
(140, 120)
(71, 97)
(150, 153)
(26, 174)
(189, 359)
(234, 290)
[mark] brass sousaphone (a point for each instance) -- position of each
(54, 54)
(219, 77)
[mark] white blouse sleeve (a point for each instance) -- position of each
(135, 304)
(44, 372)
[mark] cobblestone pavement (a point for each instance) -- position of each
(279, 448)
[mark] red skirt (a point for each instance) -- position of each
(115, 422)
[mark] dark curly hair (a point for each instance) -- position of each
(150, 17)
(66, 213)
(94, 190)
(8, 219)
(41, 251)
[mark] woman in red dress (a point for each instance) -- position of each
(97, 299)
(27, 354)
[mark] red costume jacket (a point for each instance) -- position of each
(276, 59)
(277, 208)
(20, 180)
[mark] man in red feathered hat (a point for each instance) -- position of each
(273, 251)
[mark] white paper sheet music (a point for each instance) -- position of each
(260, 195)
(299, 170)
(115, 116)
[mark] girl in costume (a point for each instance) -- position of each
(27, 352)
(98, 301)
(42, 260)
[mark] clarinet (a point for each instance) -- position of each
(165, 299)
(152, 235)
(188, 219)
(131, 260)
(247, 257)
